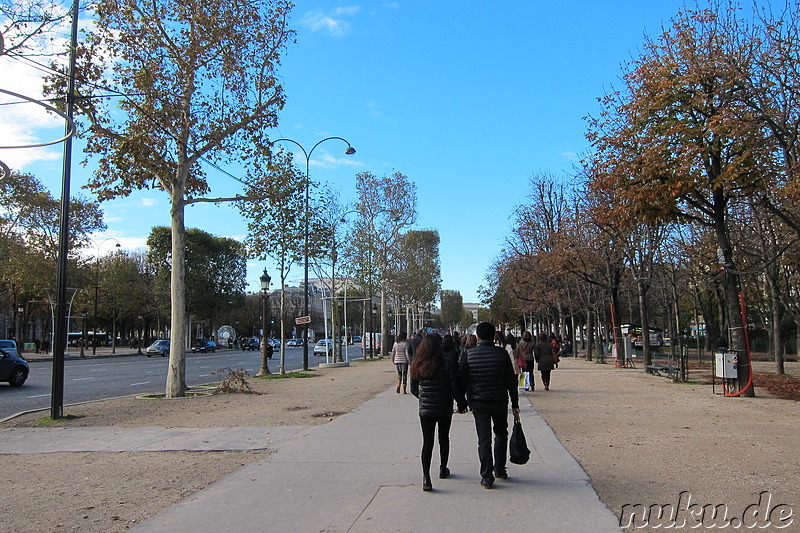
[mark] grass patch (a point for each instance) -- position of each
(289, 375)
(44, 422)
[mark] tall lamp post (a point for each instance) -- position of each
(20, 329)
(84, 311)
(372, 331)
(97, 288)
(265, 279)
(350, 151)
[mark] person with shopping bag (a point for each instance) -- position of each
(486, 373)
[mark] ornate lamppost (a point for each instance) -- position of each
(350, 151)
(372, 331)
(84, 311)
(265, 279)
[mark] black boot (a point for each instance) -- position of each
(426, 483)
(444, 472)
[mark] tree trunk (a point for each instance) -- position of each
(777, 318)
(282, 369)
(644, 317)
(384, 325)
(730, 289)
(589, 334)
(176, 381)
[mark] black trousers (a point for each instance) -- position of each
(428, 424)
(491, 418)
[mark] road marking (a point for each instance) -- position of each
(39, 396)
(80, 379)
(142, 383)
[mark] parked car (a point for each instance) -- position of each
(322, 347)
(9, 346)
(295, 342)
(251, 343)
(356, 339)
(204, 346)
(13, 368)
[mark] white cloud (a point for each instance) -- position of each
(346, 10)
(327, 160)
(331, 22)
(147, 202)
(375, 111)
(22, 122)
(569, 155)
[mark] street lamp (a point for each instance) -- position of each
(349, 151)
(97, 288)
(140, 340)
(372, 331)
(20, 342)
(265, 279)
(84, 311)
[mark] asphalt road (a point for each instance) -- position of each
(98, 378)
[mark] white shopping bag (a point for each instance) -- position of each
(524, 380)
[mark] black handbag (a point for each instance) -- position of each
(518, 445)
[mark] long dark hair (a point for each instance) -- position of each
(427, 358)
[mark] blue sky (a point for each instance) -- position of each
(466, 98)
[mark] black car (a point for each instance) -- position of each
(204, 346)
(13, 369)
(251, 343)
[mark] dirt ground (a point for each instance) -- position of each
(112, 492)
(646, 440)
(642, 439)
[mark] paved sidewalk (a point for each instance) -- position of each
(358, 473)
(361, 473)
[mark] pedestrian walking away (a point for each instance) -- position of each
(412, 344)
(400, 360)
(435, 382)
(486, 373)
(526, 346)
(543, 353)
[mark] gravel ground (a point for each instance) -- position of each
(642, 440)
(645, 440)
(111, 492)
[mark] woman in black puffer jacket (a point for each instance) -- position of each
(434, 381)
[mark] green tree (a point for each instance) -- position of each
(452, 307)
(416, 275)
(215, 269)
(386, 206)
(274, 227)
(200, 85)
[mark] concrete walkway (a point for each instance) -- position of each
(358, 473)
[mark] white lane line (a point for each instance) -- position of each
(39, 396)
(142, 383)
(80, 379)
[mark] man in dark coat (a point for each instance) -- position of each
(488, 375)
(413, 342)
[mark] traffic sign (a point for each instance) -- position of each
(302, 320)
